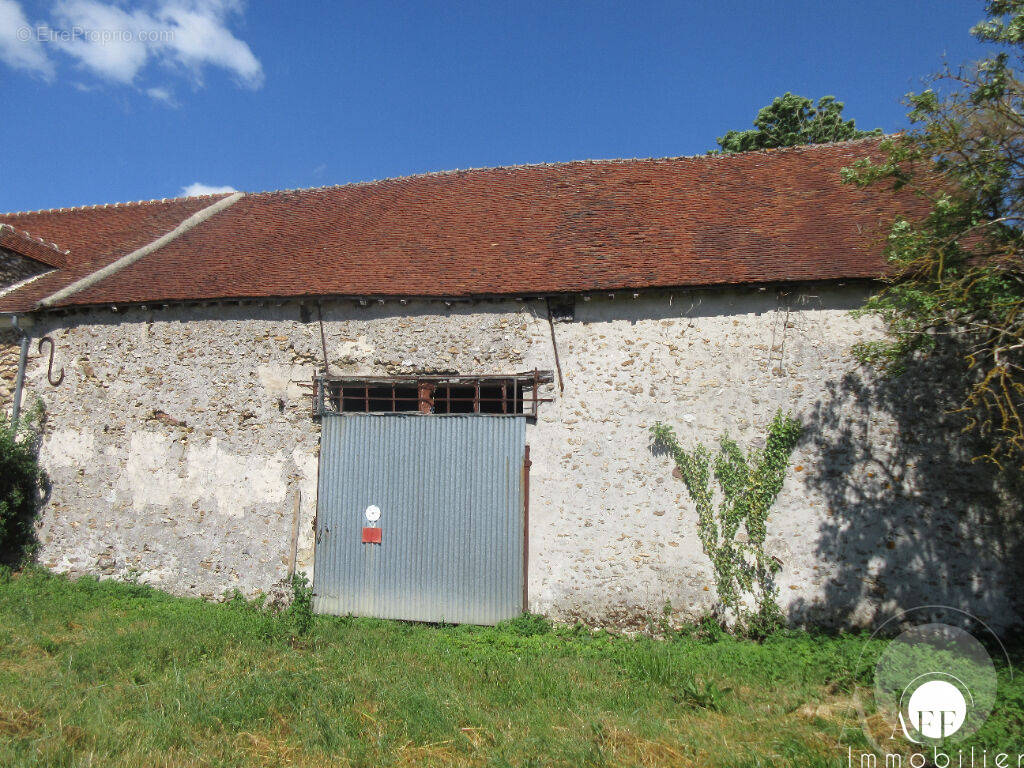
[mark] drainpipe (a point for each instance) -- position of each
(19, 381)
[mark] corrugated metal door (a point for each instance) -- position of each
(450, 492)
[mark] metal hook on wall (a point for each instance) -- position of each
(49, 367)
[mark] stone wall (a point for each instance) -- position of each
(181, 440)
(14, 268)
(8, 367)
(879, 512)
(181, 444)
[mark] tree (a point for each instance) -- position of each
(791, 120)
(956, 289)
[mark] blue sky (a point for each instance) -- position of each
(115, 101)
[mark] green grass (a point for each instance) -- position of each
(107, 674)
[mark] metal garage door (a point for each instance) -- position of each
(449, 490)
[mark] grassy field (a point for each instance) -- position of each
(108, 674)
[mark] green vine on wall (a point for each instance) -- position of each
(748, 487)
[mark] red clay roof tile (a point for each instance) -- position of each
(756, 217)
(94, 236)
(23, 244)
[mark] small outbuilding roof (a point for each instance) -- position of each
(35, 248)
(758, 217)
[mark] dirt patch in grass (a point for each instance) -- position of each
(18, 723)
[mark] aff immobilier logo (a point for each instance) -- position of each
(935, 685)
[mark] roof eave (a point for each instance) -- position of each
(368, 299)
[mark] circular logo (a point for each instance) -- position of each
(24, 34)
(937, 697)
(934, 683)
(373, 513)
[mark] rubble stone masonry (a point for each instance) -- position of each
(8, 367)
(181, 441)
(13, 270)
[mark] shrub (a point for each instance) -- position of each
(300, 611)
(706, 695)
(21, 483)
(764, 622)
(527, 625)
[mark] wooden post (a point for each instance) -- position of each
(294, 554)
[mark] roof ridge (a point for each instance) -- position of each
(710, 156)
(97, 206)
(22, 283)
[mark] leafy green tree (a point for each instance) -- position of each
(791, 120)
(956, 289)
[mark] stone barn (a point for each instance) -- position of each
(434, 394)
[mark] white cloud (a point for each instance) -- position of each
(200, 38)
(162, 94)
(19, 45)
(198, 188)
(110, 44)
(117, 41)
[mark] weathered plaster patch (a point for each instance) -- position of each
(70, 448)
(238, 481)
(283, 381)
(162, 472)
(352, 351)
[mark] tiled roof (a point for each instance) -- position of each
(23, 244)
(757, 217)
(94, 236)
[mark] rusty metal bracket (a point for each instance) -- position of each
(554, 346)
(323, 338)
(442, 394)
(49, 366)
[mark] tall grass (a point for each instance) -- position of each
(97, 673)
